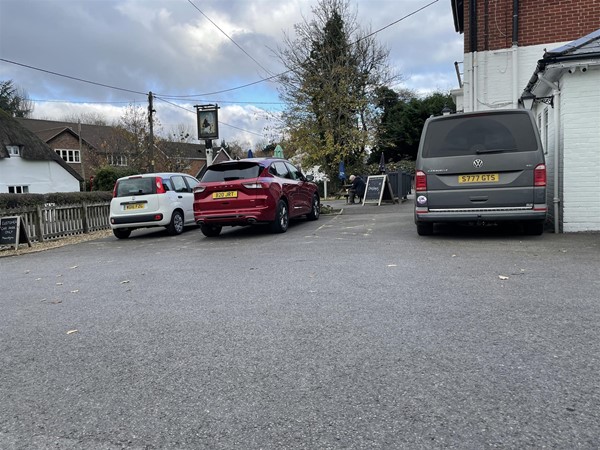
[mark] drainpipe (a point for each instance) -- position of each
(515, 53)
(473, 45)
(557, 150)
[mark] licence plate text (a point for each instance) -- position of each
(479, 178)
(224, 194)
(134, 206)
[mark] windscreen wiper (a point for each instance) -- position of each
(495, 150)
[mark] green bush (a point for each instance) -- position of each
(107, 176)
(9, 201)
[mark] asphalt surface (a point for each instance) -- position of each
(350, 332)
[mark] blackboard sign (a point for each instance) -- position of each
(378, 189)
(13, 231)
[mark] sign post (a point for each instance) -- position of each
(13, 231)
(208, 127)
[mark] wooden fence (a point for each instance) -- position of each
(54, 222)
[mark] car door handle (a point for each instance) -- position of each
(180, 196)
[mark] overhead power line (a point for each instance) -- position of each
(73, 78)
(194, 112)
(229, 37)
(215, 92)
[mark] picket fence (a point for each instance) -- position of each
(54, 222)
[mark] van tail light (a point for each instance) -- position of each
(160, 188)
(420, 181)
(539, 175)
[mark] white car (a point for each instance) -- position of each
(152, 200)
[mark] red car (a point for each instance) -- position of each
(254, 191)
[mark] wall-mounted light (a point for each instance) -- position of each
(528, 99)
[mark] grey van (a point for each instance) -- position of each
(481, 167)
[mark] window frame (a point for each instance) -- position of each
(13, 150)
(19, 189)
(69, 155)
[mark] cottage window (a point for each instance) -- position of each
(13, 150)
(68, 155)
(18, 189)
(117, 160)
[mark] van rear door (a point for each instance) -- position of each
(480, 161)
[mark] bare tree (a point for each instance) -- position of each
(88, 118)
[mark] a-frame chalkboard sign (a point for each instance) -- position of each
(378, 189)
(13, 231)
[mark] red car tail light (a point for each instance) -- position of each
(115, 190)
(539, 175)
(253, 185)
(420, 181)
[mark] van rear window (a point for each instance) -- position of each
(232, 171)
(470, 135)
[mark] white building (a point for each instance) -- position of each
(29, 165)
(507, 64)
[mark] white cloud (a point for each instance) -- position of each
(170, 48)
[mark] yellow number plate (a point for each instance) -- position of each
(225, 194)
(134, 206)
(479, 178)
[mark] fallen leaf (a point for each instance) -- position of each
(73, 267)
(75, 291)
(72, 331)
(503, 277)
(27, 271)
(56, 302)
(124, 281)
(59, 284)
(37, 279)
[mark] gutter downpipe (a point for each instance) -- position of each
(556, 102)
(515, 53)
(473, 45)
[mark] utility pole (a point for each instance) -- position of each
(151, 111)
(81, 155)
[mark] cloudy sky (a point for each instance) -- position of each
(74, 57)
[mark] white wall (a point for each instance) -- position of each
(493, 85)
(41, 176)
(580, 136)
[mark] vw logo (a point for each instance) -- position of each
(478, 163)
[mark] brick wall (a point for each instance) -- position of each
(66, 140)
(540, 21)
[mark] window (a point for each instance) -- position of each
(237, 170)
(179, 184)
(192, 182)
(294, 172)
(472, 135)
(279, 170)
(70, 156)
(117, 160)
(13, 150)
(18, 189)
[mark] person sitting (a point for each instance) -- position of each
(357, 189)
